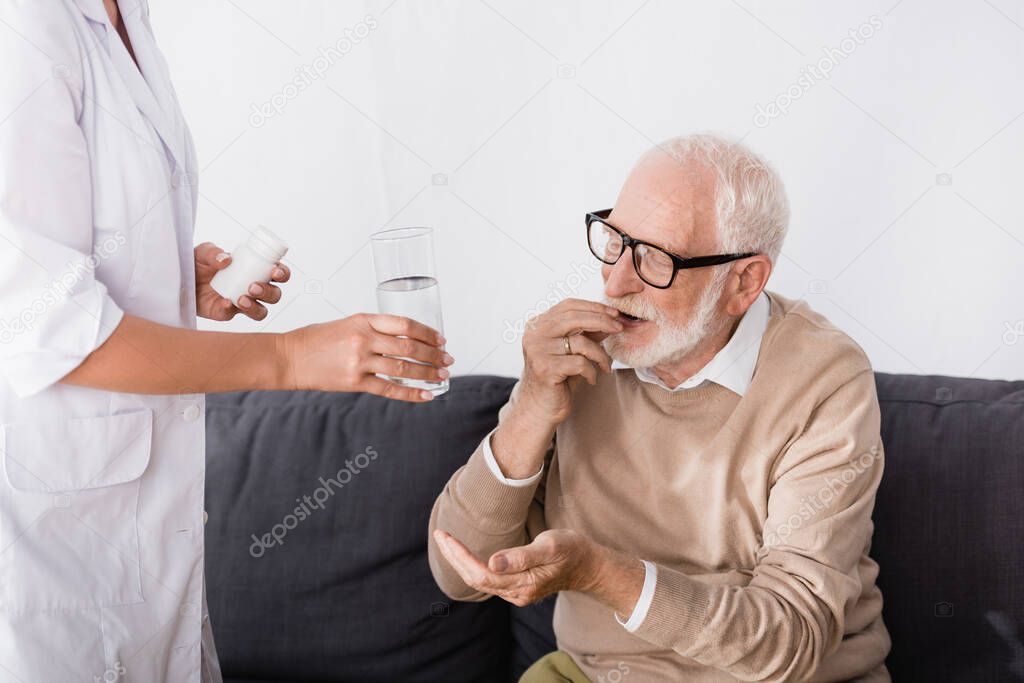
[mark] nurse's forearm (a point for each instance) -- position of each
(144, 357)
(349, 354)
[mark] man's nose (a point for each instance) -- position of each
(620, 278)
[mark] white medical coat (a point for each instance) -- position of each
(101, 493)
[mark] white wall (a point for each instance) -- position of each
(534, 112)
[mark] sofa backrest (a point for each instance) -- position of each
(949, 527)
(345, 593)
(316, 541)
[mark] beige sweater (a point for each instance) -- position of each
(756, 511)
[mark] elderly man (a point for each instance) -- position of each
(703, 507)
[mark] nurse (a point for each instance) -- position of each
(102, 369)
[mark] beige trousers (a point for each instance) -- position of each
(554, 667)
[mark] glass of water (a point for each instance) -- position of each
(403, 259)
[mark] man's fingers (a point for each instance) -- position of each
(399, 367)
(590, 372)
(573, 365)
(510, 584)
(392, 390)
(581, 321)
(397, 326)
(584, 305)
(597, 336)
(514, 560)
(456, 551)
(588, 348)
(470, 568)
(410, 348)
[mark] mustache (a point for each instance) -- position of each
(636, 306)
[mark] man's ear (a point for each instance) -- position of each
(750, 275)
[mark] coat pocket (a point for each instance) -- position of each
(69, 508)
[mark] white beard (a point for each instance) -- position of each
(673, 342)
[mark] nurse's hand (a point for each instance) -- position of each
(348, 354)
(209, 304)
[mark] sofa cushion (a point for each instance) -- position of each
(318, 573)
(949, 527)
(533, 634)
(949, 520)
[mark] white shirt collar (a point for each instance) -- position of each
(733, 366)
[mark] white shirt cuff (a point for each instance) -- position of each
(492, 465)
(643, 604)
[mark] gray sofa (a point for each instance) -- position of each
(317, 568)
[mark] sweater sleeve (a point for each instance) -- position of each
(791, 614)
(486, 514)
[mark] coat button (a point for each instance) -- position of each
(191, 413)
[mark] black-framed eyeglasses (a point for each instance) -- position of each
(653, 264)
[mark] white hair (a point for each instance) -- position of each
(751, 215)
(751, 209)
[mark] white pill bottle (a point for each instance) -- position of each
(253, 261)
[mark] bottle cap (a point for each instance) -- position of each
(267, 244)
